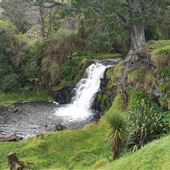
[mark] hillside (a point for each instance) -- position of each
(78, 149)
(85, 149)
(154, 156)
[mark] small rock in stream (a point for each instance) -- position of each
(12, 109)
(60, 127)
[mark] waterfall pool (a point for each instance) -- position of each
(34, 118)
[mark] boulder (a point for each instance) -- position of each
(12, 108)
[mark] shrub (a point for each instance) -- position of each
(75, 66)
(11, 58)
(51, 69)
(63, 35)
(31, 71)
(10, 83)
(161, 56)
(147, 122)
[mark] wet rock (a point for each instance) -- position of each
(97, 116)
(60, 127)
(63, 95)
(12, 108)
(108, 61)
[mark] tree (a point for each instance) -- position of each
(132, 15)
(137, 30)
(17, 12)
(44, 7)
(139, 11)
(11, 57)
(14, 11)
(118, 133)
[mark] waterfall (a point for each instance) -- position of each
(85, 92)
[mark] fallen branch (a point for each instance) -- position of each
(11, 138)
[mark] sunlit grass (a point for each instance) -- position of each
(68, 149)
(24, 96)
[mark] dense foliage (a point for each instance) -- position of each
(95, 26)
(147, 122)
(45, 47)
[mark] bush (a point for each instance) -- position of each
(74, 67)
(147, 122)
(161, 56)
(11, 58)
(63, 35)
(51, 70)
(10, 83)
(31, 71)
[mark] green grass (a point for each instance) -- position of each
(159, 44)
(160, 53)
(107, 55)
(154, 156)
(84, 149)
(165, 50)
(10, 98)
(78, 149)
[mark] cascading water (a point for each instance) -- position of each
(85, 91)
(34, 118)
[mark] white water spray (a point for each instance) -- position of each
(85, 92)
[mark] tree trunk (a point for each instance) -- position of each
(42, 21)
(137, 29)
(116, 147)
(50, 24)
(137, 38)
(14, 162)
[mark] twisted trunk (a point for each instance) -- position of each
(42, 18)
(137, 29)
(137, 38)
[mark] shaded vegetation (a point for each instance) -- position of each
(44, 54)
(22, 96)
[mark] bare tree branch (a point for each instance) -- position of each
(45, 3)
(123, 18)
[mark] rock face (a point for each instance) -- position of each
(63, 96)
(96, 103)
(104, 97)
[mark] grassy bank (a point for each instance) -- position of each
(154, 156)
(84, 149)
(24, 96)
(78, 149)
